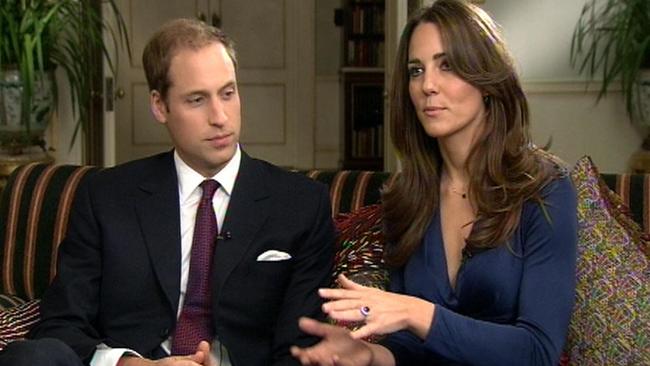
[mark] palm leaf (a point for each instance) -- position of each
(39, 34)
(612, 39)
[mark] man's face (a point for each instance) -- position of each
(202, 111)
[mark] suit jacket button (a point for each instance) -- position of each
(164, 332)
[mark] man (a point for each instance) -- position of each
(127, 288)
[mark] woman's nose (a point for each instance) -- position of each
(430, 83)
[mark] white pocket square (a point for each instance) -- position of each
(273, 256)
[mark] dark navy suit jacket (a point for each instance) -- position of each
(118, 272)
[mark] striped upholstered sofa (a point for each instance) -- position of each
(34, 210)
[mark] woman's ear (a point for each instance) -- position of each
(158, 106)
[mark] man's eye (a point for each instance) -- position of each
(229, 93)
(415, 71)
(195, 100)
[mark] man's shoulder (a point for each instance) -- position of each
(133, 172)
(141, 166)
(279, 177)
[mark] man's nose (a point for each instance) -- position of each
(218, 114)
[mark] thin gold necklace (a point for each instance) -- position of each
(460, 193)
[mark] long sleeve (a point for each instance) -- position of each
(71, 303)
(535, 335)
(105, 291)
(311, 271)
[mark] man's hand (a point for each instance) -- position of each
(201, 357)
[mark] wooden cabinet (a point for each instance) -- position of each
(362, 80)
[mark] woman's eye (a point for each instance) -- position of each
(444, 66)
(415, 71)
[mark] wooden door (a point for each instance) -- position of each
(274, 42)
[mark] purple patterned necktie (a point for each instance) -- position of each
(195, 323)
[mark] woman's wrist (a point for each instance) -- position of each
(421, 317)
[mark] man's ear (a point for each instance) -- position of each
(158, 106)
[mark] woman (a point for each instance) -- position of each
(480, 225)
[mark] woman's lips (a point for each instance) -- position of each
(433, 111)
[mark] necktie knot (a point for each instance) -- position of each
(209, 187)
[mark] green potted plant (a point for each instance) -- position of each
(612, 41)
(37, 36)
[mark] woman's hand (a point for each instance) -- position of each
(337, 347)
(382, 312)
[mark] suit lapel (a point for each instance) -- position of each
(246, 213)
(157, 208)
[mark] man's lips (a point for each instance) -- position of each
(219, 140)
(219, 137)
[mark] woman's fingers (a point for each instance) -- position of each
(343, 304)
(348, 283)
(337, 293)
(348, 289)
(347, 315)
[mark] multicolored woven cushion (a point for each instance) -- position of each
(611, 320)
(16, 322)
(360, 247)
(359, 251)
(351, 190)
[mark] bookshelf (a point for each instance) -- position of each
(363, 33)
(364, 119)
(362, 80)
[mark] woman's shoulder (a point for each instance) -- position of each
(559, 188)
(554, 167)
(556, 186)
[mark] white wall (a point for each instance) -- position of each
(59, 132)
(538, 33)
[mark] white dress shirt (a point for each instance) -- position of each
(189, 194)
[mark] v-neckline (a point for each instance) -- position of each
(445, 268)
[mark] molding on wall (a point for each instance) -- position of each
(327, 149)
(565, 86)
(331, 78)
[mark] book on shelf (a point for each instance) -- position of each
(367, 143)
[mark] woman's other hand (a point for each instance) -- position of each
(337, 347)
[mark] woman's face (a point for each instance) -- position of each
(446, 105)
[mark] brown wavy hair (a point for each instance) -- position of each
(504, 168)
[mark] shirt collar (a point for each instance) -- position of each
(189, 179)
